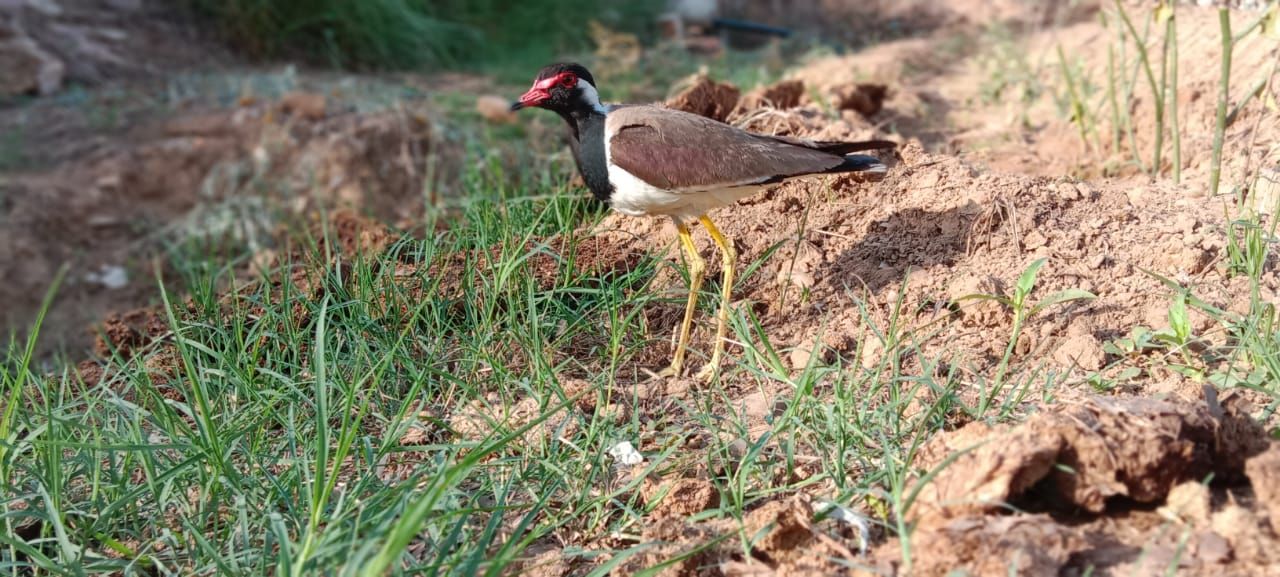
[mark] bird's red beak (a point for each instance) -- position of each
(533, 97)
(538, 93)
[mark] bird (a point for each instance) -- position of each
(650, 160)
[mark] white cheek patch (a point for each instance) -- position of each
(591, 96)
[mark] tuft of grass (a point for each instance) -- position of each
(1023, 309)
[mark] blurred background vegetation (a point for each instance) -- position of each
(496, 36)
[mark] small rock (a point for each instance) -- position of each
(1212, 548)
(495, 109)
(1137, 197)
(680, 498)
(983, 312)
(1265, 196)
(804, 353)
(871, 353)
(1185, 224)
(307, 105)
(1082, 351)
(1067, 191)
(1187, 503)
(1034, 240)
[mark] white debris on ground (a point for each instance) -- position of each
(842, 514)
(111, 276)
(626, 454)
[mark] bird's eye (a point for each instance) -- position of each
(568, 80)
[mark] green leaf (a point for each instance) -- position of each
(1118, 347)
(1189, 372)
(1178, 320)
(1063, 297)
(1208, 309)
(1129, 374)
(1027, 281)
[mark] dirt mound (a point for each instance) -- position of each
(206, 176)
(994, 96)
(938, 229)
(1076, 487)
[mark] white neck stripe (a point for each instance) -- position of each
(590, 96)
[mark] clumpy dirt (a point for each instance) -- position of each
(1076, 489)
(204, 177)
(1103, 486)
(707, 97)
(938, 229)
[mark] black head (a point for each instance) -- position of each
(565, 88)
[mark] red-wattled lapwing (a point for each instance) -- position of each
(651, 160)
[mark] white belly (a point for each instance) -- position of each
(634, 197)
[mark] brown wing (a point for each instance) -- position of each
(678, 151)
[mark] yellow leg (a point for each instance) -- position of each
(697, 270)
(730, 259)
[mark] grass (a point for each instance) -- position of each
(410, 34)
(421, 410)
(414, 411)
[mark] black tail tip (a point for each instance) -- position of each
(868, 167)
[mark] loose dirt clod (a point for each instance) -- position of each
(680, 498)
(1110, 459)
(1013, 545)
(1264, 475)
(866, 99)
(1104, 448)
(706, 97)
(308, 105)
(784, 95)
(495, 109)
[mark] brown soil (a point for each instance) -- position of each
(1162, 474)
(939, 229)
(944, 226)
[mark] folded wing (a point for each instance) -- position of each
(683, 152)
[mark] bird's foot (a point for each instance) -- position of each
(709, 371)
(667, 373)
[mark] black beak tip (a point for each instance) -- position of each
(517, 105)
